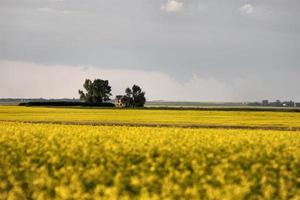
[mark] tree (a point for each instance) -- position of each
(97, 91)
(136, 95)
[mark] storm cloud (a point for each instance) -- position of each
(217, 50)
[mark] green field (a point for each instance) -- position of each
(75, 160)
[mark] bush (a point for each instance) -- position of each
(65, 103)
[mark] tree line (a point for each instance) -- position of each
(99, 91)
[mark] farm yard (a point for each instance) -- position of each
(74, 153)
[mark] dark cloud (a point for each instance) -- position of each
(226, 40)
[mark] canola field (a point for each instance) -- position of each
(193, 118)
(64, 161)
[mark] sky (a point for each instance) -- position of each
(178, 50)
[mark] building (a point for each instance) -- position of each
(288, 104)
(265, 102)
(122, 101)
(276, 103)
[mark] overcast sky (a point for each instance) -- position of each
(197, 50)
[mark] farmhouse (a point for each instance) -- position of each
(122, 101)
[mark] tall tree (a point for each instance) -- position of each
(97, 91)
(136, 95)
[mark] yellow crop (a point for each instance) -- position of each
(156, 117)
(48, 161)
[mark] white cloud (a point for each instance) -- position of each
(30, 80)
(48, 10)
(67, 12)
(246, 9)
(172, 6)
(45, 9)
(201, 7)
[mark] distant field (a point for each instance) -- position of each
(188, 104)
(192, 118)
(49, 161)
